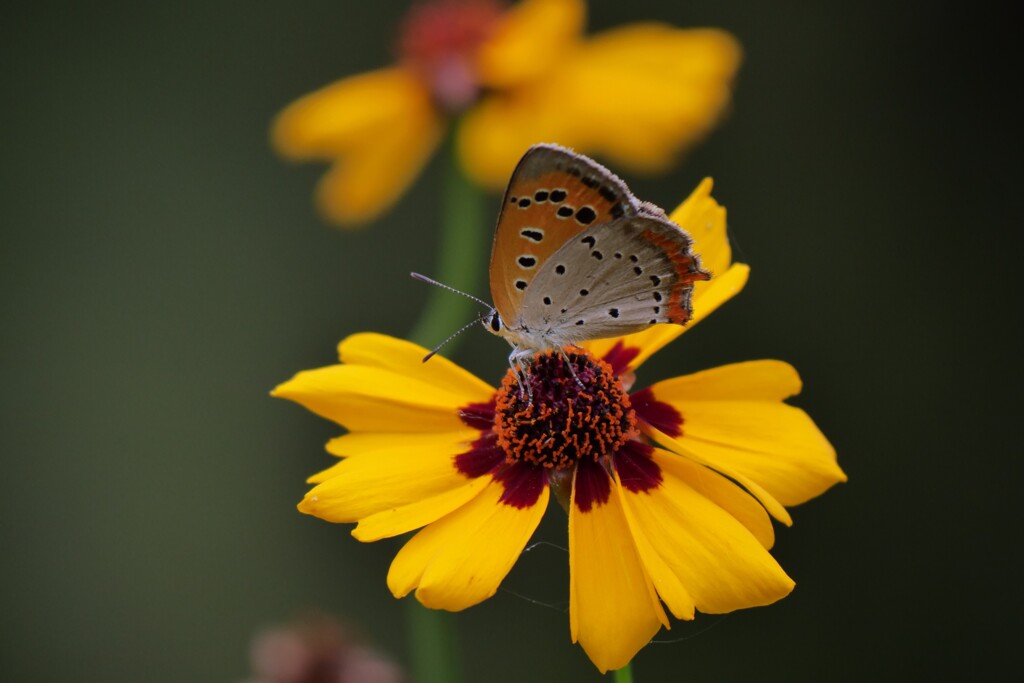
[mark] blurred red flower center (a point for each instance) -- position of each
(440, 39)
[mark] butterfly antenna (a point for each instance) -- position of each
(455, 334)
(424, 278)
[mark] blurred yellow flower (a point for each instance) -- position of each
(669, 490)
(636, 95)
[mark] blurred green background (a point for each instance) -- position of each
(161, 271)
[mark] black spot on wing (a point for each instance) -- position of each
(586, 215)
(521, 284)
(533, 234)
(558, 196)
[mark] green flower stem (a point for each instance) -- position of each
(625, 674)
(461, 257)
(435, 651)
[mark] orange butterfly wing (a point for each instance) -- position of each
(553, 195)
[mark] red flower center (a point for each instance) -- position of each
(573, 408)
(440, 39)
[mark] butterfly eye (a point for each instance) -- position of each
(496, 322)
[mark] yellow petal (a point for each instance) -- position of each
(613, 609)
(528, 40)
(756, 380)
(358, 443)
(714, 292)
(733, 416)
(722, 492)
(372, 399)
(461, 559)
(363, 485)
(406, 358)
(400, 520)
(687, 541)
(378, 128)
(372, 443)
(341, 116)
(698, 452)
(774, 444)
(682, 81)
(370, 177)
(494, 135)
(704, 219)
(636, 95)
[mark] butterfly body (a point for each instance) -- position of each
(577, 257)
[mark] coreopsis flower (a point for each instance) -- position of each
(669, 489)
(636, 95)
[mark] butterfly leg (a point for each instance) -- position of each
(569, 364)
(515, 361)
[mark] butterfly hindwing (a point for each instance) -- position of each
(553, 195)
(612, 279)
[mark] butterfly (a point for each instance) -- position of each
(577, 257)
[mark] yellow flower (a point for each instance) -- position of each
(668, 489)
(636, 95)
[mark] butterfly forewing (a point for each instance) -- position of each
(553, 196)
(614, 278)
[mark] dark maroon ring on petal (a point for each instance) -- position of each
(592, 486)
(658, 414)
(620, 356)
(523, 484)
(636, 469)
(478, 415)
(483, 457)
